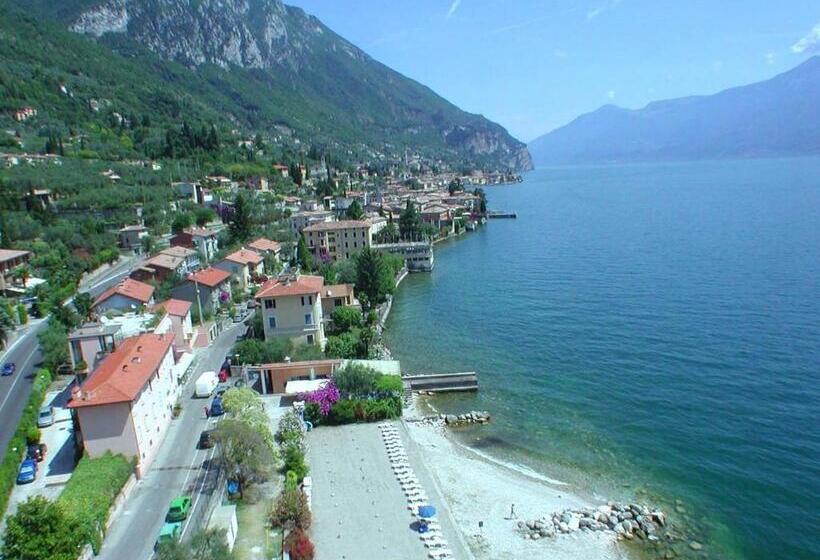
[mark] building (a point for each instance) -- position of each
(213, 286)
(193, 192)
(291, 306)
(330, 241)
(274, 378)
(244, 265)
(200, 239)
(131, 237)
(190, 257)
(301, 220)
(440, 217)
(179, 311)
(91, 343)
(159, 267)
(11, 259)
(125, 406)
(266, 247)
(128, 295)
(258, 183)
(337, 295)
(418, 255)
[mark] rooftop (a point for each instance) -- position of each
(244, 256)
(263, 244)
(9, 254)
(165, 261)
(89, 330)
(131, 288)
(177, 251)
(121, 376)
(210, 276)
(136, 227)
(176, 307)
(199, 231)
(289, 286)
(338, 290)
(333, 226)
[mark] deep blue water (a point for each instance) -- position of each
(645, 329)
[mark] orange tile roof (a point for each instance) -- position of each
(303, 285)
(211, 277)
(263, 244)
(131, 288)
(121, 376)
(244, 256)
(176, 307)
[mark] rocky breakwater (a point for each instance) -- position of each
(474, 417)
(626, 521)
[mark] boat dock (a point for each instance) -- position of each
(442, 382)
(500, 214)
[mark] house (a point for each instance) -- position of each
(125, 406)
(212, 285)
(330, 241)
(11, 259)
(194, 192)
(243, 266)
(189, 256)
(337, 295)
(131, 237)
(291, 306)
(128, 295)
(276, 377)
(92, 342)
(301, 220)
(159, 267)
(282, 170)
(258, 183)
(201, 239)
(266, 247)
(439, 216)
(182, 326)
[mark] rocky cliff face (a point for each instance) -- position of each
(301, 56)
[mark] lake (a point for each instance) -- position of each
(649, 330)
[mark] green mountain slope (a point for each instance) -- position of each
(257, 64)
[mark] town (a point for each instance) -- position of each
(227, 333)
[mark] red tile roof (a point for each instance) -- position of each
(176, 307)
(120, 377)
(303, 285)
(244, 256)
(131, 288)
(211, 277)
(263, 244)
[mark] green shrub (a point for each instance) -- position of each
(22, 313)
(355, 380)
(290, 430)
(290, 510)
(349, 411)
(391, 384)
(295, 462)
(291, 481)
(91, 490)
(33, 434)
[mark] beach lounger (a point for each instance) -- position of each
(437, 542)
(439, 554)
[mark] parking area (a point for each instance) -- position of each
(58, 464)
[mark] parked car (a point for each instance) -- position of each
(179, 508)
(36, 451)
(169, 532)
(206, 440)
(216, 407)
(27, 472)
(9, 368)
(45, 418)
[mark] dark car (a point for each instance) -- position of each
(206, 440)
(27, 472)
(216, 407)
(36, 451)
(9, 368)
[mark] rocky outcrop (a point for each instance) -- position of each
(626, 521)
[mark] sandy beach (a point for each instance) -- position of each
(477, 489)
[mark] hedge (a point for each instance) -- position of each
(91, 490)
(17, 445)
(349, 411)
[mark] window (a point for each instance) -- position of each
(338, 302)
(310, 300)
(272, 322)
(355, 244)
(308, 318)
(303, 300)
(346, 245)
(310, 339)
(270, 304)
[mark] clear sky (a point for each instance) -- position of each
(533, 65)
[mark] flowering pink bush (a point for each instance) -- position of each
(224, 296)
(325, 397)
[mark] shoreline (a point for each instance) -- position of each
(478, 488)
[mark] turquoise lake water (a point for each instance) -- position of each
(649, 330)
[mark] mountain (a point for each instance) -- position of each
(274, 65)
(776, 117)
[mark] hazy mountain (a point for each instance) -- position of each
(776, 117)
(280, 65)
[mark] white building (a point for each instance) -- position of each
(291, 306)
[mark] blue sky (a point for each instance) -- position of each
(533, 65)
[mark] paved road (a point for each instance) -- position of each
(25, 353)
(179, 469)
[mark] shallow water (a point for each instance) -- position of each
(645, 329)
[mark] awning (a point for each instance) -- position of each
(298, 386)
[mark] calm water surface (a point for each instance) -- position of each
(649, 330)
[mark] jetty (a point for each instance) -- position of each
(442, 382)
(501, 214)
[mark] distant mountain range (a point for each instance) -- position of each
(776, 117)
(261, 64)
